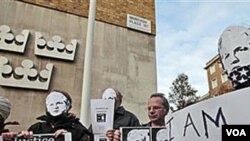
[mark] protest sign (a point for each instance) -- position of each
(143, 133)
(102, 115)
(203, 121)
(46, 137)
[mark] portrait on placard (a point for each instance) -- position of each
(159, 134)
(234, 51)
(135, 133)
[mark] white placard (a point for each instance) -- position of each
(102, 115)
(138, 23)
(203, 121)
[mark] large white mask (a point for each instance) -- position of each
(57, 103)
(234, 51)
(109, 93)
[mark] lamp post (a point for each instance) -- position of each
(86, 86)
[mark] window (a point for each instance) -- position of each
(214, 83)
(224, 78)
(212, 69)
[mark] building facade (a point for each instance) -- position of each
(218, 81)
(42, 47)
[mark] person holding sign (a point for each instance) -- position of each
(122, 117)
(234, 51)
(158, 108)
(57, 119)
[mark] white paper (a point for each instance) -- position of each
(102, 115)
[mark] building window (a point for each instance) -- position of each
(214, 83)
(224, 78)
(212, 69)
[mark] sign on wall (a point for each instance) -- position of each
(138, 23)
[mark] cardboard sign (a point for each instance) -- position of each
(203, 121)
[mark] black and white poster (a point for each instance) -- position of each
(143, 134)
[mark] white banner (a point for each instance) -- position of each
(203, 121)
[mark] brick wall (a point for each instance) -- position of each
(109, 11)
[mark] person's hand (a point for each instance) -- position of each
(117, 135)
(25, 134)
(110, 134)
(8, 136)
(60, 132)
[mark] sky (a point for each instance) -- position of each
(187, 33)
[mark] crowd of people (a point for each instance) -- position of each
(58, 119)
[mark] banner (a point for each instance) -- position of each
(203, 121)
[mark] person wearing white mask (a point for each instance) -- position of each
(122, 117)
(57, 119)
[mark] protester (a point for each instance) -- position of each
(57, 119)
(5, 108)
(158, 108)
(122, 117)
(234, 51)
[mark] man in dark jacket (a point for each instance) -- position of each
(122, 117)
(58, 120)
(158, 108)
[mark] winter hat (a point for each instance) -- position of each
(4, 107)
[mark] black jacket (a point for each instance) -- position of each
(122, 118)
(69, 123)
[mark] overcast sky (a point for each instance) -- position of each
(187, 36)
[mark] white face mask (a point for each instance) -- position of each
(109, 93)
(234, 48)
(56, 103)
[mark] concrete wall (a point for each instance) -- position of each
(122, 58)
